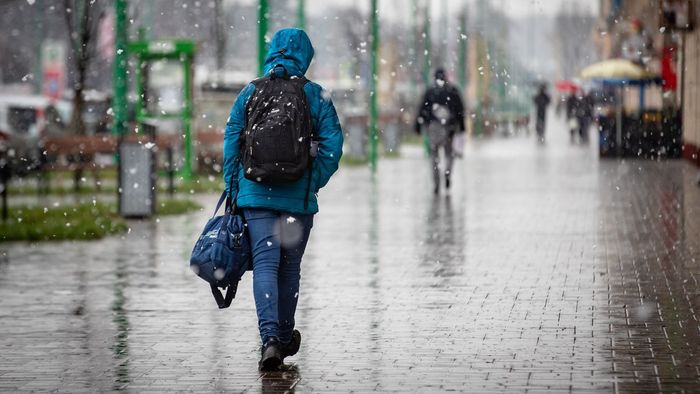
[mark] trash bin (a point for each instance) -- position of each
(137, 177)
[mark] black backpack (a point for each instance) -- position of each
(278, 134)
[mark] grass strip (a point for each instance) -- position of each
(87, 221)
(175, 206)
(61, 222)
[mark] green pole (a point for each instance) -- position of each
(412, 49)
(478, 122)
(373, 88)
(187, 118)
(480, 16)
(301, 14)
(262, 31)
(442, 35)
(427, 61)
(463, 51)
(119, 68)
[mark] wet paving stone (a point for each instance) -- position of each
(545, 269)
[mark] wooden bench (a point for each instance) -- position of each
(79, 153)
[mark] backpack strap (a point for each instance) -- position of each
(303, 81)
(308, 184)
(221, 301)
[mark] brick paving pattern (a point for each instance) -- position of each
(544, 270)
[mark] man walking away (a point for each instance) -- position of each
(440, 116)
(282, 143)
(541, 101)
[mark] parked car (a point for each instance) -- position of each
(23, 121)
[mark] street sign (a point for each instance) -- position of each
(53, 68)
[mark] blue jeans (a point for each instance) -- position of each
(278, 240)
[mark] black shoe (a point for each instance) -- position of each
(292, 347)
(271, 357)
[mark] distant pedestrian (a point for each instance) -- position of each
(541, 101)
(584, 115)
(282, 143)
(440, 116)
(571, 123)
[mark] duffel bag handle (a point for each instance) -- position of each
(218, 205)
(221, 301)
(231, 203)
(233, 183)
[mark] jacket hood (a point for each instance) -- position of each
(292, 49)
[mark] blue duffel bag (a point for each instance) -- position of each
(222, 253)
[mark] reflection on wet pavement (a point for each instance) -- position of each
(283, 381)
(544, 269)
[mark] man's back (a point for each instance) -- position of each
(445, 96)
(291, 49)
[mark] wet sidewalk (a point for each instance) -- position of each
(544, 269)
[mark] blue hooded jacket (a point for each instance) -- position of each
(291, 49)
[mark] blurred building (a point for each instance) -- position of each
(691, 90)
(631, 29)
(620, 21)
(661, 36)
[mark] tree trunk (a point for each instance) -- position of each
(77, 177)
(77, 125)
(78, 128)
(82, 26)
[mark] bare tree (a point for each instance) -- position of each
(219, 35)
(15, 40)
(82, 20)
(356, 33)
(573, 45)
